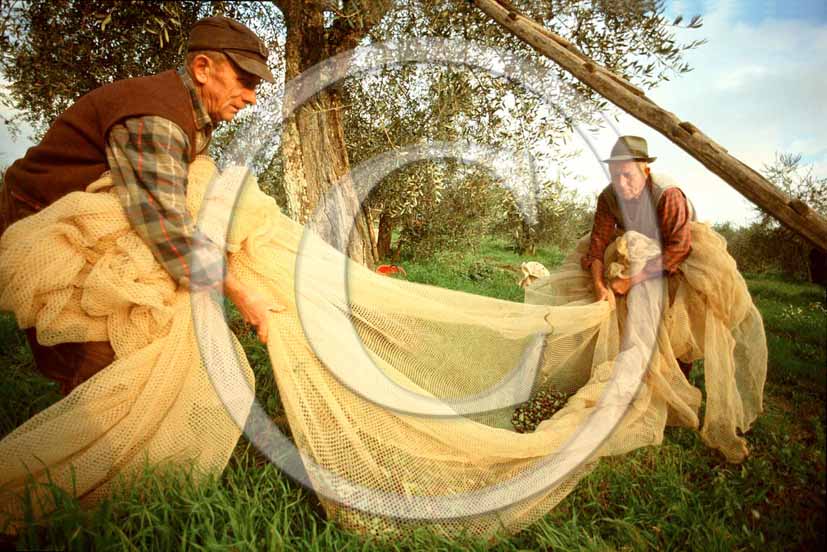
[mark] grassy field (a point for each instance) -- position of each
(680, 495)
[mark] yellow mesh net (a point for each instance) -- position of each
(399, 395)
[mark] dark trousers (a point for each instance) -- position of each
(70, 364)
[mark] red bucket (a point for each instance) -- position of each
(391, 270)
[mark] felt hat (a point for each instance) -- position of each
(630, 148)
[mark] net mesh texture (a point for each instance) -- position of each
(399, 395)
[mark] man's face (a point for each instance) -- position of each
(226, 90)
(628, 178)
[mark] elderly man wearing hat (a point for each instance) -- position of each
(638, 200)
(146, 131)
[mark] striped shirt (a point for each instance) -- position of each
(148, 157)
(673, 222)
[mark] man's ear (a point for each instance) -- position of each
(201, 69)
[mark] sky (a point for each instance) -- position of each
(758, 87)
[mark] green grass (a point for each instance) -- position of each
(794, 318)
(677, 496)
(493, 270)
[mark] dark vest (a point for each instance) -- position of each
(641, 219)
(72, 154)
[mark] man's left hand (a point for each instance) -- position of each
(255, 309)
(253, 306)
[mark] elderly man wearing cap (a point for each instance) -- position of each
(146, 131)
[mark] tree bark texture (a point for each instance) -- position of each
(793, 214)
(383, 241)
(526, 241)
(313, 142)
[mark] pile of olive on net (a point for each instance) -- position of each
(541, 406)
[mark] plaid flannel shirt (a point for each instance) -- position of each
(148, 159)
(673, 223)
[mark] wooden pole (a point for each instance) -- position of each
(793, 213)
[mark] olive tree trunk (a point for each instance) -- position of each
(383, 241)
(316, 164)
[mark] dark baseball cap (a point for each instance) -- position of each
(235, 40)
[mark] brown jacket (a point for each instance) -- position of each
(72, 154)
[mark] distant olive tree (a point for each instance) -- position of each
(765, 245)
(399, 106)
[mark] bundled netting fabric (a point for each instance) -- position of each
(399, 395)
